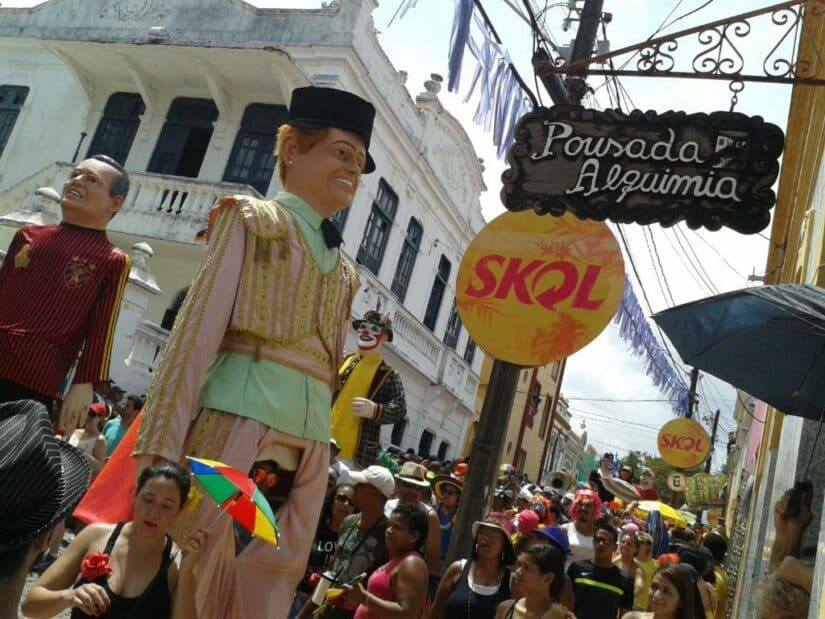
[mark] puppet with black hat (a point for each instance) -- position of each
(41, 480)
(371, 393)
(252, 361)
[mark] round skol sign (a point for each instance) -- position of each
(535, 289)
(683, 443)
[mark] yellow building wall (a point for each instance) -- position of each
(531, 443)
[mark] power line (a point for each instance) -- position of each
(597, 417)
(661, 268)
(718, 253)
(688, 14)
(681, 256)
(644, 295)
(707, 285)
(570, 399)
(511, 66)
(707, 276)
(654, 260)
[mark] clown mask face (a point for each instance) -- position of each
(370, 338)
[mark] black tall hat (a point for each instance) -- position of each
(41, 477)
(318, 108)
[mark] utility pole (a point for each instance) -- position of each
(591, 16)
(481, 474)
(495, 412)
(692, 399)
(712, 441)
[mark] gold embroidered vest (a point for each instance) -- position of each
(287, 310)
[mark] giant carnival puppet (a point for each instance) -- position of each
(60, 292)
(252, 361)
(371, 393)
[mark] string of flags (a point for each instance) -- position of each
(501, 103)
(501, 100)
(634, 329)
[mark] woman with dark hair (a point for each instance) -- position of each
(397, 589)
(473, 589)
(127, 569)
(540, 579)
(700, 558)
(674, 594)
(338, 505)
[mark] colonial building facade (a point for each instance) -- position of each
(534, 423)
(188, 94)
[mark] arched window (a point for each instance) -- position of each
(406, 261)
(398, 430)
(184, 138)
(253, 158)
(116, 130)
(425, 444)
(171, 312)
(442, 277)
(12, 99)
(453, 329)
(379, 225)
(443, 448)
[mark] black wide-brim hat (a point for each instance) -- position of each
(313, 107)
(42, 478)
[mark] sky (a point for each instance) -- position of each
(608, 390)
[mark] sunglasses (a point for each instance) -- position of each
(343, 498)
(264, 476)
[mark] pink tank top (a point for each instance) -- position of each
(379, 585)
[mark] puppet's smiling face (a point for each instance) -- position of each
(370, 337)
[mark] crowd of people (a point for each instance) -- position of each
(381, 543)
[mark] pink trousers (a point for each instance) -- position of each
(261, 580)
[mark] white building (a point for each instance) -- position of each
(189, 94)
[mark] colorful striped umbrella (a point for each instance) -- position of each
(237, 495)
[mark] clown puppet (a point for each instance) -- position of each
(371, 393)
(60, 292)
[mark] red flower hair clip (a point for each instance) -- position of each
(95, 565)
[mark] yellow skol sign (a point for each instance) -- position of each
(535, 289)
(683, 443)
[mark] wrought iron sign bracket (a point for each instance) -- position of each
(792, 59)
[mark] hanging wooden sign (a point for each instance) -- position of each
(709, 170)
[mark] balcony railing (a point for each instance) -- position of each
(148, 343)
(171, 208)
